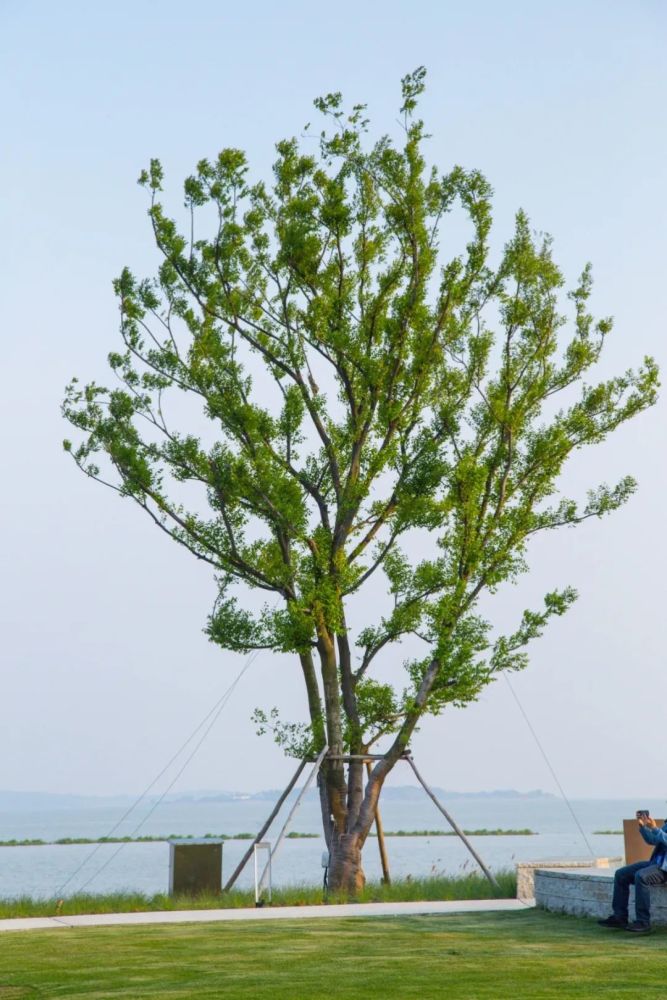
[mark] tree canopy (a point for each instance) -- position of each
(357, 387)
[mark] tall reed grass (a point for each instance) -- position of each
(436, 887)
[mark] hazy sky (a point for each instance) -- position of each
(105, 670)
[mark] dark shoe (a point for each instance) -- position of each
(613, 921)
(639, 928)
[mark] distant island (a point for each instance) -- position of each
(293, 835)
(392, 793)
(11, 801)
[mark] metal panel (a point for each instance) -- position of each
(195, 867)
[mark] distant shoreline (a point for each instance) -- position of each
(26, 801)
(78, 841)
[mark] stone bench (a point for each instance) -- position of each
(525, 871)
(587, 893)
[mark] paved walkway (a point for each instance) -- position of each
(264, 913)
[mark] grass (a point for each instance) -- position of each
(526, 956)
(294, 835)
(451, 833)
(471, 886)
(148, 839)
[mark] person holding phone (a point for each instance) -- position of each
(642, 874)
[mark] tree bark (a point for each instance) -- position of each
(346, 874)
(345, 871)
(334, 770)
(355, 784)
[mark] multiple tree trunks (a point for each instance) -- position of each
(345, 850)
(345, 870)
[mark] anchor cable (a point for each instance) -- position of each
(213, 716)
(549, 765)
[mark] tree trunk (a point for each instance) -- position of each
(345, 872)
(349, 829)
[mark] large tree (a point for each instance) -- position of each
(361, 395)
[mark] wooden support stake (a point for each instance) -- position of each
(347, 757)
(454, 825)
(297, 803)
(276, 809)
(384, 860)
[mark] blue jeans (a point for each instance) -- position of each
(642, 874)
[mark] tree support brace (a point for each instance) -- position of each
(454, 825)
(384, 860)
(283, 832)
(276, 809)
(347, 757)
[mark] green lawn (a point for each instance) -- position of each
(525, 954)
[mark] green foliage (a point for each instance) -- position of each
(525, 832)
(358, 388)
(295, 738)
(146, 839)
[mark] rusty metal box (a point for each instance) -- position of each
(195, 866)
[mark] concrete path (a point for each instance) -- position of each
(265, 913)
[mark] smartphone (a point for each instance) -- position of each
(642, 814)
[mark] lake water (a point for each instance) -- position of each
(42, 871)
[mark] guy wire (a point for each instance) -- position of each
(213, 715)
(549, 765)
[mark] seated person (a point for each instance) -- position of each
(642, 874)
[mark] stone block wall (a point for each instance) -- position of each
(588, 894)
(525, 872)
